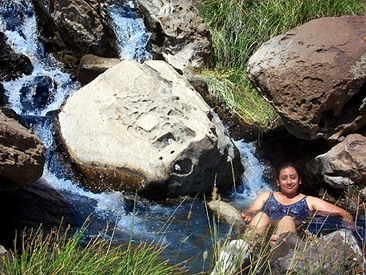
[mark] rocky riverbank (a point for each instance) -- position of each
(313, 75)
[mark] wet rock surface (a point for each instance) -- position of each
(12, 65)
(29, 207)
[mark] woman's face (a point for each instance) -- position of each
(288, 181)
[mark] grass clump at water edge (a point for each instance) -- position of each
(60, 253)
(239, 28)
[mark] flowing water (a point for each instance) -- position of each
(132, 36)
(184, 225)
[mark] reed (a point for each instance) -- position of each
(239, 28)
(62, 253)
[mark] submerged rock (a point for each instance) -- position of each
(314, 76)
(142, 127)
(226, 213)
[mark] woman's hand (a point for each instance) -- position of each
(256, 206)
(246, 216)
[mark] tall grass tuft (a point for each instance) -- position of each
(239, 28)
(59, 253)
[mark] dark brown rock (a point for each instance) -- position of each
(314, 76)
(32, 206)
(91, 66)
(12, 65)
(22, 155)
(79, 26)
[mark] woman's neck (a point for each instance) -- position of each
(290, 195)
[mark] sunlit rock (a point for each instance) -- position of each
(314, 76)
(143, 127)
(335, 253)
(226, 213)
(179, 33)
(22, 155)
(344, 165)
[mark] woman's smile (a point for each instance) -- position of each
(288, 180)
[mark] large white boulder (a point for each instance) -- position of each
(142, 127)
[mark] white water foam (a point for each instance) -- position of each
(252, 180)
(131, 33)
(19, 23)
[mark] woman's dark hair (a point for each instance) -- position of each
(287, 165)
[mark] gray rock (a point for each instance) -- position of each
(179, 34)
(143, 127)
(78, 25)
(336, 253)
(344, 165)
(313, 75)
(226, 213)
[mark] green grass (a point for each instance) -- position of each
(60, 253)
(239, 28)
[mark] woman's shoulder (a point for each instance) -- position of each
(265, 195)
(312, 199)
(313, 202)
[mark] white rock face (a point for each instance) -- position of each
(141, 126)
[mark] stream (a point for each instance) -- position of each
(184, 225)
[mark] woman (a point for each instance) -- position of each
(285, 205)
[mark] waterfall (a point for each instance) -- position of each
(252, 180)
(47, 87)
(132, 36)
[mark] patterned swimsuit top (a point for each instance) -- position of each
(276, 211)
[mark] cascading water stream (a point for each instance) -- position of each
(36, 96)
(47, 87)
(132, 37)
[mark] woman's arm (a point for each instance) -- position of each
(256, 206)
(316, 204)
